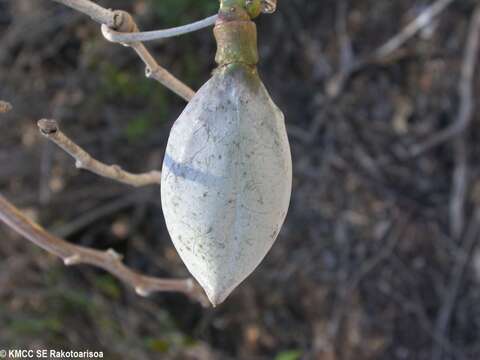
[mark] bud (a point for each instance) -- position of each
(227, 172)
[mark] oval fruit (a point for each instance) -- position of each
(226, 179)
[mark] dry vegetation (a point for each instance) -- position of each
(378, 258)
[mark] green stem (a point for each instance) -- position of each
(231, 10)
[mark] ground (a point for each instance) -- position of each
(374, 261)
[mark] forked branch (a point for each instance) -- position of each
(460, 177)
(465, 92)
(350, 64)
(108, 260)
(421, 21)
(122, 21)
(83, 160)
(118, 26)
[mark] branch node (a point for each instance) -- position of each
(124, 22)
(83, 160)
(148, 72)
(117, 19)
(75, 254)
(114, 255)
(47, 126)
(140, 290)
(72, 260)
(117, 168)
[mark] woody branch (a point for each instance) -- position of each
(83, 160)
(122, 21)
(109, 260)
(71, 254)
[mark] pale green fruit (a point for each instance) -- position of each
(227, 172)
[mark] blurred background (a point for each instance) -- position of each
(378, 256)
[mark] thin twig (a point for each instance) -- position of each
(96, 12)
(83, 160)
(153, 70)
(462, 260)
(93, 215)
(5, 107)
(464, 117)
(347, 63)
(346, 291)
(125, 38)
(122, 21)
(160, 74)
(459, 187)
(412, 303)
(457, 202)
(420, 22)
(108, 260)
(465, 114)
(338, 82)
